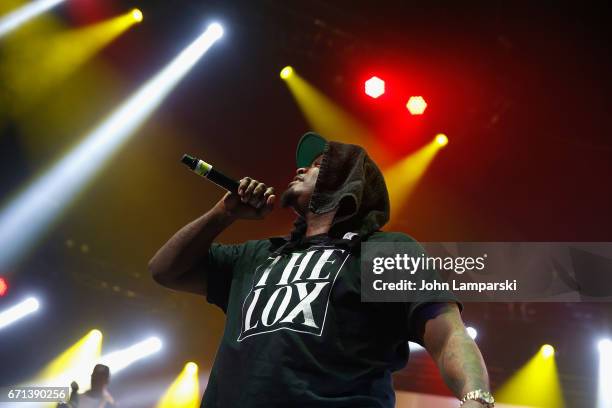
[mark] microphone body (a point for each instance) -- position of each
(204, 169)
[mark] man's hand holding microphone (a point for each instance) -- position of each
(246, 199)
(176, 263)
(252, 201)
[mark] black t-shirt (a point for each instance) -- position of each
(297, 333)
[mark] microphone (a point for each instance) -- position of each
(206, 170)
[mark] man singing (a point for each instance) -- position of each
(297, 333)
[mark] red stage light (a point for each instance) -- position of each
(374, 87)
(416, 105)
(3, 287)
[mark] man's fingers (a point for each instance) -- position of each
(246, 196)
(244, 182)
(269, 204)
(256, 194)
(269, 192)
(262, 198)
(259, 189)
(265, 206)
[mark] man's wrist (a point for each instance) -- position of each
(222, 215)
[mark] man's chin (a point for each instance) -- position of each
(288, 198)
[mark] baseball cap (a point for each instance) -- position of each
(311, 145)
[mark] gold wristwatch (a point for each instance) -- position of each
(484, 397)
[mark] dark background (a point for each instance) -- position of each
(521, 89)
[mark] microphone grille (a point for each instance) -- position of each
(189, 161)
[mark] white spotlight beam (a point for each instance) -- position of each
(31, 212)
(23, 14)
(415, 346)
(472, 332)
(11, 315)
(120, 359)
(604, 397)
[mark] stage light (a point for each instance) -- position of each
(416, 105)
(441, 139)
(120, 359)
(605, 346)
(329, 119)
(604, 392)
(415, 346)
(74, 364)
(191, 367)
(3, 287)
(34, 67)
(536, 384)
(137, 15)
(286, 72)
(547, 351)
(403, 176)
(472, 332)
(35, 209)
(216, 31)
(184, 392)
(374, 87)
(25, 13)
(19, 311)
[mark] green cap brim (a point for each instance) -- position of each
(309, 147)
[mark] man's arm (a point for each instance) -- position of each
(175, 265)
(455, 353)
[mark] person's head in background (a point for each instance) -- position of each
(100, 377)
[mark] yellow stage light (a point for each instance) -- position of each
(547, 351)
(137, 15)
(441, 139)
(74, 364)
(36, 65)
(191, 367)
(327, 118)
(184, 392)
(286, 72)
(536, 384)
(29, 214)
(403, 176)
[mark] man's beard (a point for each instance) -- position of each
(289, 199)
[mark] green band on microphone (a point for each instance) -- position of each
(202, 168)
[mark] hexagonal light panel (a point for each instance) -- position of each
(416, 105)
(374, 87)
